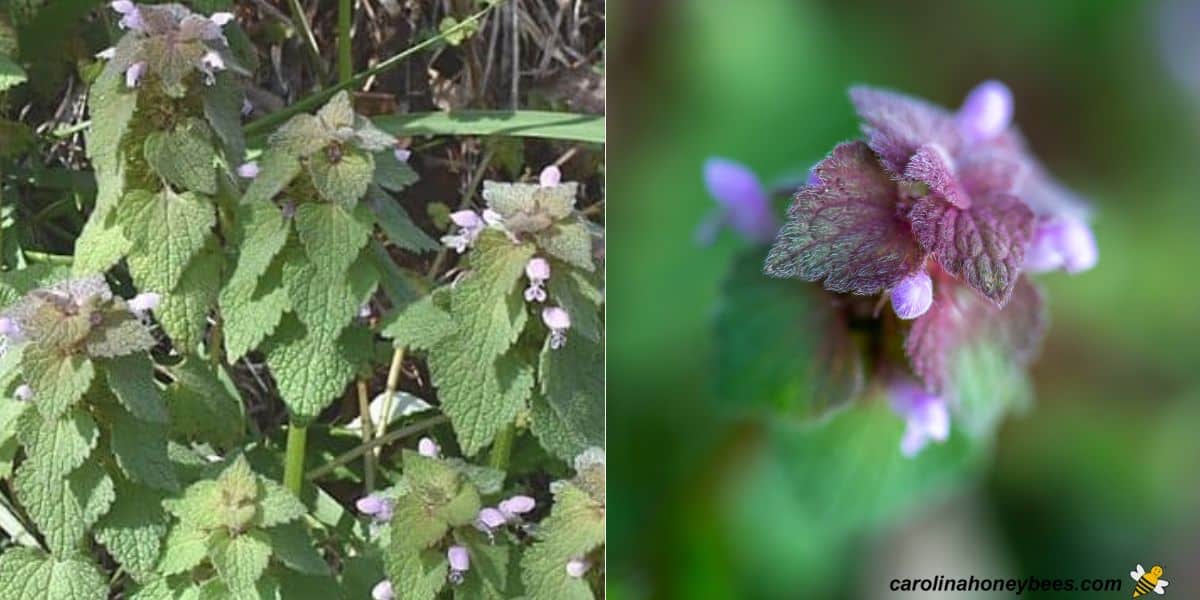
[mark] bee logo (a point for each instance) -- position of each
(1148, 581)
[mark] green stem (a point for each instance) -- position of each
(308, 104)
(393, 382)
(293, 469)
(502, 448)
(368, 433)
(310, 40)
(345, 58)
(391, 436)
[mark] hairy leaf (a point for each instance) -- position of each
(332, 235)
(344, 180)
(141, 451)
(310, 368)
(183, 313)
(57, 446)
(133, 530)
(64, 509)
(572, 382)
(184, 548)
(223, 109)
(574, 528)
(202, 406)
(58, 381)
(529, 207)
(845, 230)
(416, 574)
(391, 174)
(294, 547)
(167, 230)
(184, 156)
(572, 292)
(30, 574)
(277, 504)
(897, 125)
(131, 379)
(421, 324)
(276, 169)
(396, 223)
(240, 560)
(570, 242)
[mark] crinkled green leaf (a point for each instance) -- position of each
(223, 109)
(202, 407)
(529, 207)
(488, 575)
(421, 324)
(570, 242)
(277, 504)
(64, 509)
(337, 113)
(391, 173)
(240, 560)
(183, 313)
(570, 290)
(184, 156)
(294, 547)
(572, 382)
(167, 230)
(276, 169)
(184, 548)
(332, 235)
(416, 574)
(396, 223)
(479, 398)
(325, 303)
(101, 243)
(341, 179)
(119, 333)
(371, 138)
(254, 300)
(30, 574)
(574, 528)
(131, 379)
(133, 529)
(302, 135)
(141, 450)
(413, 527)
(111, 105)
(58, 381)
(309, 368)
(57, 446)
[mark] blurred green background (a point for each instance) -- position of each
(1102, 473)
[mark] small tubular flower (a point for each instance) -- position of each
(745, 204)
(134, 74)
(577, 567)
(538, 273)
(248, 170)
(550, 176)
(23, 392)
(986, 113)
(559, 322)
(460, 562)
(517, 505)
(383, 591)
(9, 328)
(428, 448)
(131, 16)
(144, 302)
(913, 295)
(1062, 243)
(470, 225)
(376, 506)
(925, 415)
(491, 518)
(402, 154)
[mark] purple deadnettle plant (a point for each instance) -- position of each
(939, 213)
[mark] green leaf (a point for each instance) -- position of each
(309, 371)
(119, 333)
(167, 230)
(301, 136)
(276, 169)
(532, 208)
(294, 547)
(413, 527)
(254, 300)
(202, 407)
(64, 509)
(522, 123)
(57, 446)
(392, 174)
(781, 346)
(986, 385)
(183, 312)
(102, 242)
(572, 381)
(326, 303)
(574, 528)
(223, 109)
(416, 574)
(29, 574)
(419, 325)
(184, 156)
(58, 381)
(131, 379)
(342, 180)
(277, 504)
(133, 529)
(396, 223)
(337, 113)
(570, 242)
(184, 548)
(479, 398)
(332, 236)
(241, 560)
(141, 450)
(571, 290)
(11, 74)
(488, 575)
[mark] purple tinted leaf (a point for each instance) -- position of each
(932, 166)
(846, 230)
(981, 173)
(934, 335)
(897, 125)
(983, 245)
(1021, 324)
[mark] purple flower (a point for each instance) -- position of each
(913, 295)
(212, 61)
(143, 302)
(517, 505)
(490, 518)
(986, 113)
(382, 591)
(550, 176)
(248, 170)
(376, 506)
(134, 74)
(10, 329)
(131, 16)
(745, 204)
(538, 272)
(559, 322)
(402, 154)
(428, 448)
(926, 416)
(1063, 242)
(221, 19)
(576, 567)
(23, 392)
(470, 225)
(460, 560)
(247, 108)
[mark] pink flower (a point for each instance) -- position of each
(9, 328)
(913, 295)
(538, 272)
(1063, 242)
(383, 591)
(375, 506)
(517, 505)
(490, 518)
(576, 567)
(23, 392)
(459, 559)
(221, 19)
(212, 61)
(559, 322)
(470, 225)
(134, 74)
(247, 107)
(926, 416)
(550, 176)
(402, 154)
(144, 302)
(131, 17)
(428, 448)
(745, 203)
(986, 113)
(248, 170)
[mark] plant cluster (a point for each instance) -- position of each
(137, 470)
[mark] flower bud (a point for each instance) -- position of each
(248, 170)
(913, 295)
(491, 518)
(144, 302)
(459, 559)
(428, 448)
(576, 567)
(987, 112)
(23, 392)
(383, 591)
(9, 328)
(402, 154)
(517, 505)
(134, 74)
(550, 176)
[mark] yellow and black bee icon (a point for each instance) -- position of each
(1148, 581)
